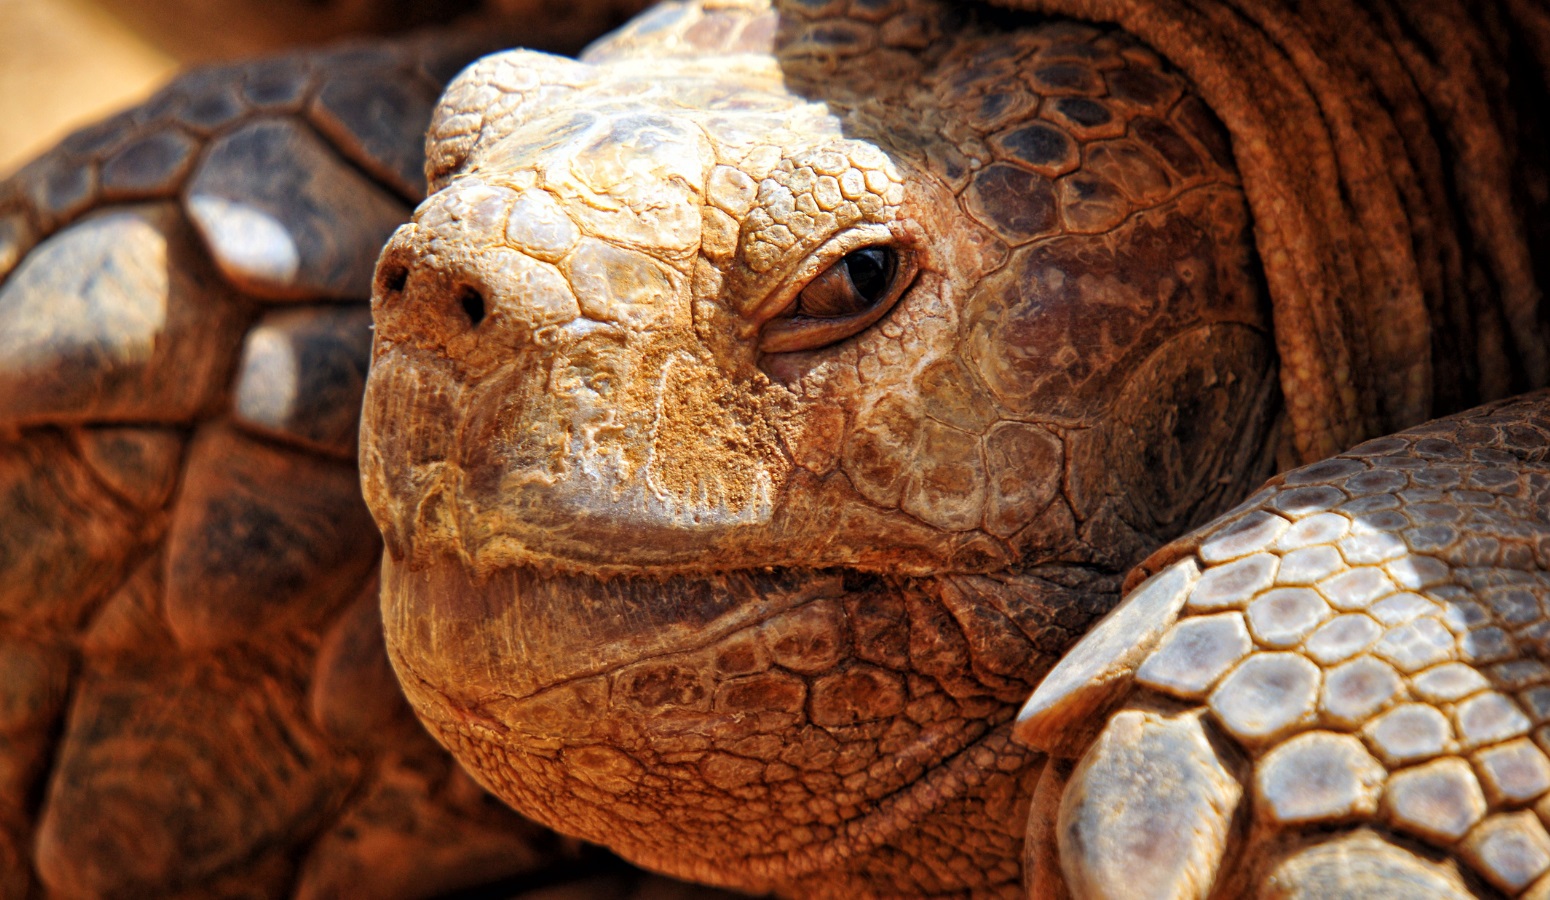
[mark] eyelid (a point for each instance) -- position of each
(834, 293)
(825, 255)
(811, 333)
(804, 333)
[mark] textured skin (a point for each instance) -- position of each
(748, 606)
(1363, 643)
(761, 693)
(194, 699)
(773, 610)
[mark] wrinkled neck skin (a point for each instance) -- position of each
(718, 541)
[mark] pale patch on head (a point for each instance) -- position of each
(713, 455)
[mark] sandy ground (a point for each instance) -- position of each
(64, 63)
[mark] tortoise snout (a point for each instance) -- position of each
(462, 301)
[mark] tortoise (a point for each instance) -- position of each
(760, 410)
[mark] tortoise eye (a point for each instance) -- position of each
(842, 300)
(852, 285)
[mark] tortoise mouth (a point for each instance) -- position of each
(517, 631)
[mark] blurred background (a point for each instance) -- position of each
(65, 63)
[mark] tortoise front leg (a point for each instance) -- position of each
(1339, 689)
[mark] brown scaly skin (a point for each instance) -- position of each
(213, 675)
(746, 602)
(761, 618)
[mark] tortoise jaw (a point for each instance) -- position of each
(583, 700)
(516, 631)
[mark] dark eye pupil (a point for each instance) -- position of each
(868, 269)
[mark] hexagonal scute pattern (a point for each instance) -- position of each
(1077, 135)
(1371, 631)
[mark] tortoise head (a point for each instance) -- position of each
(759, 407)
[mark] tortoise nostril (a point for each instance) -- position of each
(395, 278)
(473, 305)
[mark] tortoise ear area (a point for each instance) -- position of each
(487, 101)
